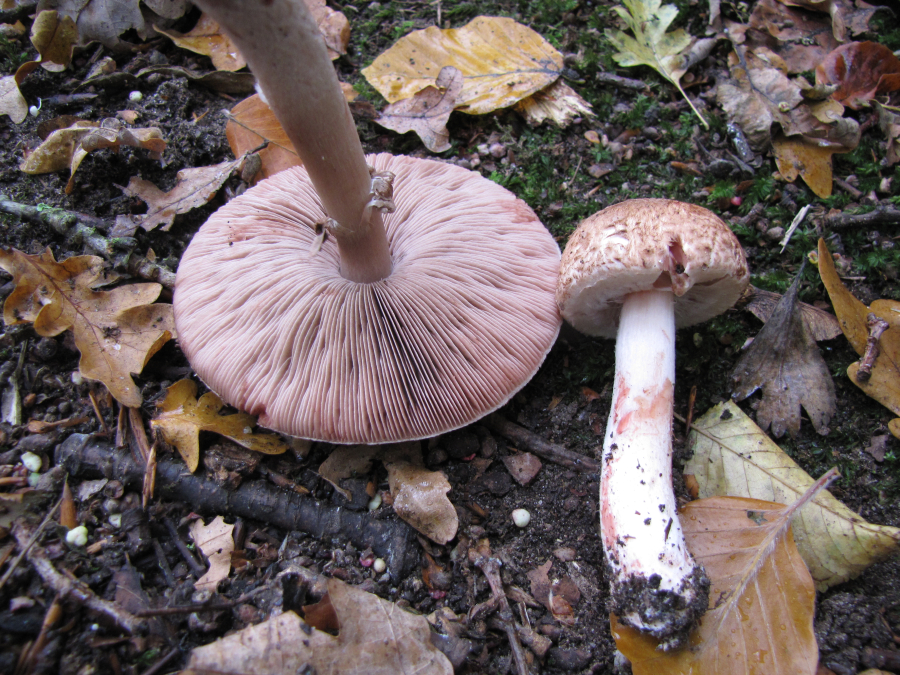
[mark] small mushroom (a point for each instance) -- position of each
(359, 299)
(636, 271)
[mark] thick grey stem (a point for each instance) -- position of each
(287, 54)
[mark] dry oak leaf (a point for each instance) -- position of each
(375, 637)
(797, 156)
(651, 45)
(104, 20)
(883, 384)
(861, 71)
(182, 417)
(762, 598)
(785, 362)
(12, 102)
(54, 37)
(427, 111)
(193, 188)
(208, 39)
(733, 456)
(116, 331)
(68, 147)
(821, 325)
(333, 25)
(217, 544)
(501, 61)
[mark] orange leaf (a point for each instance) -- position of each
(862, 71)
(208, 39)
(251, 123)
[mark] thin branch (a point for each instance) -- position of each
(491, 568)
(540, 447)
(881, 216)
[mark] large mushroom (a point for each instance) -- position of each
(634, 272)
(429, 304)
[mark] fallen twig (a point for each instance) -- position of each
(198, 568)
(491, 568)
(537, 445)
(621, 82)
(879, 217)
(27, 546)
(70, 588)
(392, 540)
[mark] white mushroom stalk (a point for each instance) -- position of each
(656, 584)
(285, 50)
(636, 271)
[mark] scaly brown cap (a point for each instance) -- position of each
(646, 244)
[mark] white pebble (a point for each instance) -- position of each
(521, 517)
(31, 461)
(77, 378)
(375, 502)
(135, 96)
(379, 565)
(116, 520)
(77, 536)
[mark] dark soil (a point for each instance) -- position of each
(558, 404)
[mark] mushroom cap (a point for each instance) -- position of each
(649, 244)
(462, 323)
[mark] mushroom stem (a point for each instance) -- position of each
(656, 585)
(287, 54)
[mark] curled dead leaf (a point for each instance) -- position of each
(208, 39)
(861, 71)
(217, 544)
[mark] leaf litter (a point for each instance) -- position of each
(732, 456)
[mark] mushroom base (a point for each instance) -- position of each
(666, 614)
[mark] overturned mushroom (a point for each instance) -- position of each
(428, 305)
(636, 271)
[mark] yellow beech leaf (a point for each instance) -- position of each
(116, 331)
(501, 62)
(883, 384)
(796, 156)
(54, 37)
(208, 39)
(733, 456)
(762, 598)
(68, 147)
(182, 417)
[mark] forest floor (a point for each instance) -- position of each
(566, 403)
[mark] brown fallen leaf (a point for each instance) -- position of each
(106, 20)
(376, 637)
(68, 147)
(116, 331)
(821, 325)
(12, 102)
(796, 156)
(427, 111)
(784, 361)
(208, 39)
(193, 188)
(224, 81)
(883, 383)
(558, 595)
(733, 456)
(889, 123)
(523, 467)
(55, 37)
(861, 71)
(762, 598)
(182, 417)
(501, 61)
(252, 122)
(333, 25)
(217, 544)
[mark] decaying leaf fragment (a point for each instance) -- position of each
(182, 417)
(54, 37)
(193, 187)
(820, 324)
(375, 637)
(762, 598)
(116, 331)
(733, 456)
(501, 62)
(785, 362)
(651, 45)
(419, 495)
(427, 111)
(558, 103)
(883, 383)
(68, 147)
(217, 544)
(208, 39)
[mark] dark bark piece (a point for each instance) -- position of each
(533, 443)
(786, 364)
(83, 455)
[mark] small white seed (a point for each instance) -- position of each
(34, 111)
(34, 479)
(77, 536)
(116, 520)
(31, 461)
(521, 517)
(135, 96)
(379, 565)
(375, 502)
(76, 377)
